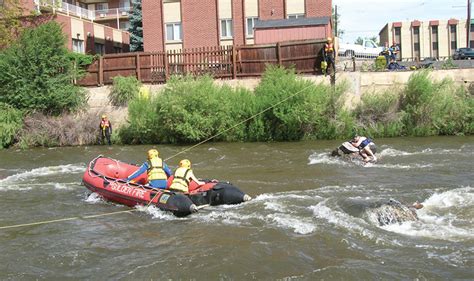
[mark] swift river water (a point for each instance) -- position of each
(310, 217)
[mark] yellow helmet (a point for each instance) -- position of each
(104, 116)
(152, 153)
(329, 39)
(185, 163)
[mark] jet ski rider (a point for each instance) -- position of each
(363, 144)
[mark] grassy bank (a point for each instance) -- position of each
(190, 109)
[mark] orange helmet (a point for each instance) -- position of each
(185, 163)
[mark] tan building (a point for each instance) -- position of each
(427, 39)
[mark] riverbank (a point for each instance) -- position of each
(358, 83)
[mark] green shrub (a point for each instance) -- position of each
(378, 114)
(436, 108)
(36, 73)
(380, 63)
(10, 123)
(124, 89)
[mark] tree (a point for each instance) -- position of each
(36, 72)
(337, 27)
(10, 22)
(136, 27)
(360, 40)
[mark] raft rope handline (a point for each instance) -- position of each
(181, 152)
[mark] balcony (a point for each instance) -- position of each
(73, 10)
(112, 13)
(64, 8)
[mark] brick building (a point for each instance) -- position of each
(176, 24)
(90, 26)
(422, 39)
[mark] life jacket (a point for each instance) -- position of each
(155, 169)
(364, 143)
(181, 180)
(104, 124)
(329, 48)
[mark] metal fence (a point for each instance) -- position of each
(228, 62)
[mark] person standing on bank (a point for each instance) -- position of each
(157, 171)
(105, 128)
(328, 56)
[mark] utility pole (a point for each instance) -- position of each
(335, 21)
(468, 27)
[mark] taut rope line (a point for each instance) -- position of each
(181, 152)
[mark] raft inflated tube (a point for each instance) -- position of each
(177, 203)
(225, 193)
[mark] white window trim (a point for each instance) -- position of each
(227, 30)
(180, 31)
(296, 16)
(254, 19)
(81, 51)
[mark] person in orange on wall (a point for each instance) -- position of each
(328, 55)
(105, 128)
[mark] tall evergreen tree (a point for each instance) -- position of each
(136, 27)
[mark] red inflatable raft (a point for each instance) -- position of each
(103, 177)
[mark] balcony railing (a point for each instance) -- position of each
(65, 8)
(112, 13)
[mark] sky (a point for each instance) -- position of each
(365, 18)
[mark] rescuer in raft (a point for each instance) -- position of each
(158, 172)
(183, 176)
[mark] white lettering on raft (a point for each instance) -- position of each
(127, 190)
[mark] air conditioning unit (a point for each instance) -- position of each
(102, 15)
(124, 14)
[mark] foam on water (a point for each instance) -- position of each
(42, 172)
(299, 225)
(156, 213)
(398, 166)
(325, 158)
(446, 216)
(94, 198)
(391, 152)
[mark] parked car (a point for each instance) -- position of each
(463, 54)
(368, 49)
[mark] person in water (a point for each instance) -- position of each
(105, 128)
(183, 176)
(364, 144)
(158, 172)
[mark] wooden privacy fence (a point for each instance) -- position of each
(219, 62)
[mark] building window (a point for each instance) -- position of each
(117, 50)
(124, 25)
(453, 37)
(173, 32)
(99, 48)
(101, 6)
(434, 41)
(416, 41)
(250, 25)
(78, 46)
(226, 28)
(398, 40)
(124, 4)
(295, 16)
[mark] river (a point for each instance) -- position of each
(309, 218)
